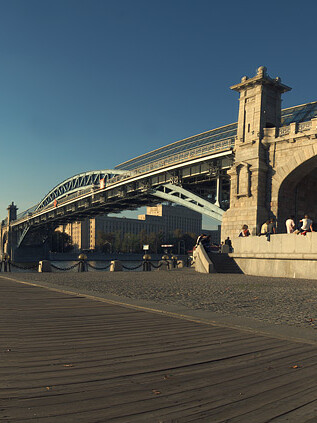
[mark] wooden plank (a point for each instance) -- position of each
(72, 359)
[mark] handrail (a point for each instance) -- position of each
(176, 158)
(299, 127)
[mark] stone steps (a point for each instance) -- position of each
(223, 263)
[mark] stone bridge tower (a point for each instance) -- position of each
(260, 108)
(8, 240)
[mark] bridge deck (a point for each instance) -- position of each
(68, 358)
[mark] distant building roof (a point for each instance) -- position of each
(297, 114)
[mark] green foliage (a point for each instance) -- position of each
(61, 242)
(133, 243)
(105, 241)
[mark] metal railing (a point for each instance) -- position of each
(193, 153)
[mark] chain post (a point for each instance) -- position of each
(146, 263)
(82, 266)
(6, 262)
(174, 262)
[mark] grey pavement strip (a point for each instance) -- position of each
(278, 307)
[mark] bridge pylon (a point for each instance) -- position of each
(259, 109)
(8, 238)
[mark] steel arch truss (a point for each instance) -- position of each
(179, 195)
(22, 235)
(77, 183)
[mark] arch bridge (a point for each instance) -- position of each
(242, 173)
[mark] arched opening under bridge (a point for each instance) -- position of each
(298, 194)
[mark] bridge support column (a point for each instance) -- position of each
(218, 192)
(250, 190)
(11, 238)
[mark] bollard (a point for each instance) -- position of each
(44, 266)
(6, 262)
(146, 263)
(82, 266)
(180, 264)
(165, 258)
(115, 266)
(174, 262)
(164, 265)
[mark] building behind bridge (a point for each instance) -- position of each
(162, 218)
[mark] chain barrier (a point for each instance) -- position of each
(64, 269)
(132, 268)
(145, 264)
(98, 268)
(34, 266)
(158, 266)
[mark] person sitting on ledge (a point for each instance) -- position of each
(199, 239)
(205, 242)
(271, 227)
(290, 224)
(264, 228)
(244, 231)
(267, 229)
(307, 225)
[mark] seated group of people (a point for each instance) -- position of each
(306, 225)
(268, 228)
(205, 241)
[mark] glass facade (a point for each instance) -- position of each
(297, 114)
(213, 136)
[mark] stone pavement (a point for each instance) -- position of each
(70, 358)
(279, 306)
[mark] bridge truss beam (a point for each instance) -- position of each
(179, 195)
(77, 183)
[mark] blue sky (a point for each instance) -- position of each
(87, 84)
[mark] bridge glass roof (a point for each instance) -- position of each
(215, 135)
(297, 114)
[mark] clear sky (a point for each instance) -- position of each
(87, 84)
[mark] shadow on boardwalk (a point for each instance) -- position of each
(67, 358)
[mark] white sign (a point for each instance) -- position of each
(146, 247)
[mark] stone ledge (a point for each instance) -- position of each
(274, 256)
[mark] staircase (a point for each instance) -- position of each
(223, 263)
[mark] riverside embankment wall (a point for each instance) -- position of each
(285, 255)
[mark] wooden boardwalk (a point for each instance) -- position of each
(66, 358)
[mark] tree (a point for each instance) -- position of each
(105, 241)
(61, 242)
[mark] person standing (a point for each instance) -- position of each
(229, 243)
(290, 224)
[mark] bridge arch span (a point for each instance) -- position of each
(77, 183)
(297, 192)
